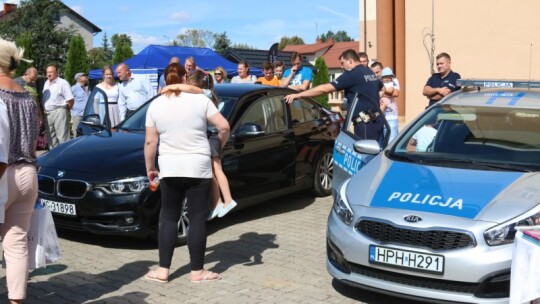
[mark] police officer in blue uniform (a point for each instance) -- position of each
(443, 83)
(358, 82)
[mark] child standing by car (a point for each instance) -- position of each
(220, 182)
(388, 101)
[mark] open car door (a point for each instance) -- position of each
(347, 161)
(96, 115)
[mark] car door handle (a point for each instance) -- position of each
(340, 149)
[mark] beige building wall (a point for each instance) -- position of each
(368, 27)
(485, 38)
(72, 23)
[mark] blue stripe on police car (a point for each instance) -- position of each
(347, 159)
(450, 191)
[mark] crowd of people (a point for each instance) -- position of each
(189, 158)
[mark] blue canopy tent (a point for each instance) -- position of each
(158, 56)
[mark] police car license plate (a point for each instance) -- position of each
(406, 259)
(62, 208)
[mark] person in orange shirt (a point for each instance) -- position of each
(268, 78)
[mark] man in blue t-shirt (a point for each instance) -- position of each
(443, 83)
(358, 82)
(298, 77)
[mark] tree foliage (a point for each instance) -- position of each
(108, 52)
(289, 41)
(243, 46)
(118, 40)
(44, 41)
(196, 38)
(321, 77)
(122, 53)
(122, 47)
(173, 42)
(340, 36)
(99, 57)
(77, 59)
(25, 42)
(222, 43)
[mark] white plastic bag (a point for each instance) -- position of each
(43, 243)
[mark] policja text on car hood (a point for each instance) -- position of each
(493, 196)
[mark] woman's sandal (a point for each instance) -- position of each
(151, 276)
(206, 276)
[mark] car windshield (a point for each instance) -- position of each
(483, 137)
(136, 122)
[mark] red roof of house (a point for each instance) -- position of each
(305, 49)
(331, 57)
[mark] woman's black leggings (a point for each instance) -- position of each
(173, 192)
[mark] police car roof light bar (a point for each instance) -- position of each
(498, 83)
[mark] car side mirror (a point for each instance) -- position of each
(93, 120)
(367, 146)
(250, 129)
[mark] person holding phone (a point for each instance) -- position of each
(297, 77)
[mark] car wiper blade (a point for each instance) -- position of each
(405, 156)
(481, 164)
(512, 167)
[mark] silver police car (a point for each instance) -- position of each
(433, 216)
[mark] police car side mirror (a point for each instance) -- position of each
(367, 146)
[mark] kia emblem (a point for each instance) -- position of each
(412, 218)
(61, 173)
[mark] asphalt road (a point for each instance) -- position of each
(270, 253)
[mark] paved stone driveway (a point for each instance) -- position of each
(270, 253)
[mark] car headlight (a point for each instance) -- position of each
(125, 186)
(505, 233)
(341, 205)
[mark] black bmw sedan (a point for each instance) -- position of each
(97, 182)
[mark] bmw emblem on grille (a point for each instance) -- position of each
(412, 218)
(61, 173)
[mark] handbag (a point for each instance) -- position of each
(43, 243)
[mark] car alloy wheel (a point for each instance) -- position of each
(323, 173)
(183, 225)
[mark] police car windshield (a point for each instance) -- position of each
(475, 136)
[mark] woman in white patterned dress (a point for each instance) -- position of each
(110, 88)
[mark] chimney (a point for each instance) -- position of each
(9, 7)
(330, 40)
(318, 41)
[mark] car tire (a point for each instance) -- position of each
(323, 172)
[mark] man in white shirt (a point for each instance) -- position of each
(4, 152)
(135, 90)
(57, 102)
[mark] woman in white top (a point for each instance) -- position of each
(179, 121)
(110, 88)
(243, 74)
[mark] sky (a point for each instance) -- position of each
(256, 23)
